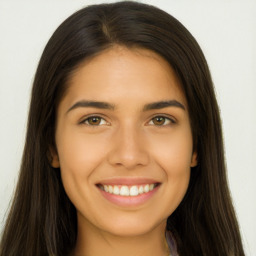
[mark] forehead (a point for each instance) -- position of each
(121, 72)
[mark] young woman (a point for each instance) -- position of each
(124, 152)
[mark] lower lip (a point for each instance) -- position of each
(128, 201)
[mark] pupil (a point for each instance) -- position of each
(159, 120)
(94, 120)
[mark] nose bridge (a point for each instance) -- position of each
(128, 148)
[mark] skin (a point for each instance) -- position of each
(127, 142)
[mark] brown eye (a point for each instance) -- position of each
(160, 121)
(94, 121)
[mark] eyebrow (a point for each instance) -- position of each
(92, 104)
(163, 104)
(147, 107)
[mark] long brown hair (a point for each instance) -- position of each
(42, 220)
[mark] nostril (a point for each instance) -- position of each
(128, 159)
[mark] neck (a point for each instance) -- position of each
(94, 242)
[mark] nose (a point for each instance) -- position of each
(128, 149)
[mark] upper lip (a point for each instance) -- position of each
(127, 181)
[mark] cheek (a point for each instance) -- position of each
(79, 156)
(173, 151)
(80, 153)
(173, 154)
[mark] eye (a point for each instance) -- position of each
(161, 121)
(94, 121)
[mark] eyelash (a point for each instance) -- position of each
(86, 121)
(166, 119)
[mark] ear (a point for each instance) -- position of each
(53, 157)
(194, 159)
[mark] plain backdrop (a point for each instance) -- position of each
(226, 31)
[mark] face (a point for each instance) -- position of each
(124, 143)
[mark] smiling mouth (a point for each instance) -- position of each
(128, 191)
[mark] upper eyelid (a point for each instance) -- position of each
(172, 118)
(83, 119)
(167, 116)
(93, 115)
(172, 122)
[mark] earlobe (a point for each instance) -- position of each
(55, 162)
(53, 158)
(194, 160)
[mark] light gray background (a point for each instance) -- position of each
(226, 31)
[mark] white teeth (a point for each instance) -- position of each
(124, 191)
(115, 190)
(110, 189)
(106, 188)
(128, 191)
(146, 188)
(134, 191)
(151, 187)
(141, 189)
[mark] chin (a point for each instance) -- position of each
(133, 227)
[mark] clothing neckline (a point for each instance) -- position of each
(171, 243)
